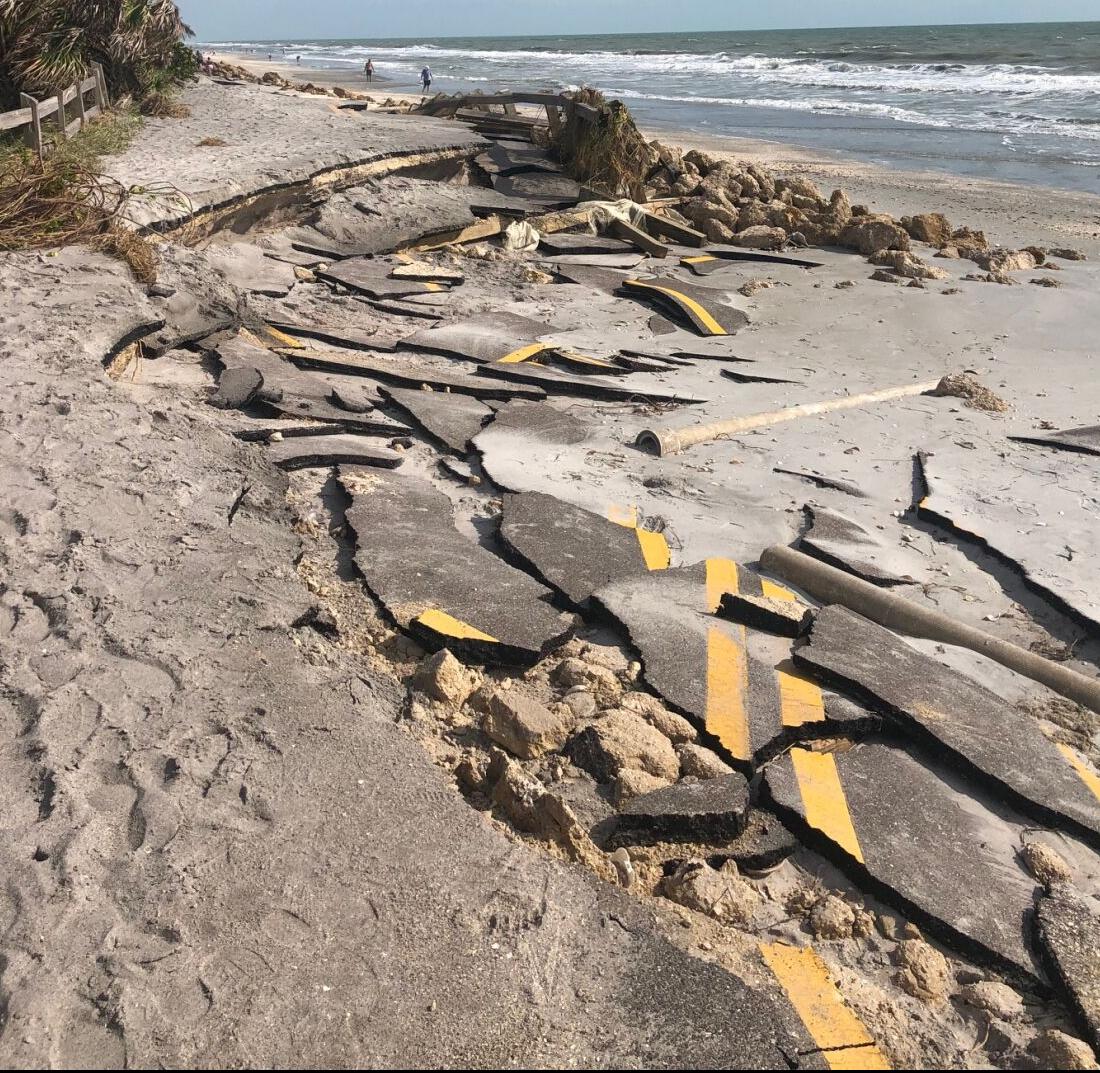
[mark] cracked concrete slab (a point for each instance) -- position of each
(840, 541)
(698, 307)
(953, 717)
(448, 417)
(347, 337)
(923, 854)
(396, 370)
(510, 158)
(1012, 520)
(726, 255)
(585, 274)
(571, 549)
(444, 589)
(823, 481)
(1085, 439)
(736, 685)
(506, 443)
(247, 267)
(622, 261)
(1068, 937)
(342, 449)
(495, 336)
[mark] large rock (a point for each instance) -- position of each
(1058, 1050)
(445, 679)
(525, 727)
(923, 971)
(674, 727)
(872, 234)
(931, 227)
(701, 763)
(1000, 261)
(722, 894)
(622, 740)
(908, 265)
(761, 238)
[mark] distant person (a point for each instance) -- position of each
(426, 78)
(298, 60)
(368, 70)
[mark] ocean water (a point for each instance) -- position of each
(1018, 102)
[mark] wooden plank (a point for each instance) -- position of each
(647, 243)
(74, 125)
(486, 228)
(91, 113)
(101, 97)
(46, 108)
(70, 94)
(89, 83)
(670, 229)
(553, 118)
(34, 128)
(20, 117)
(80, 106)
(61, 128)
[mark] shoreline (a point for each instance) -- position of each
(1010, 212)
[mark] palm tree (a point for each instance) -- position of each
(48, 44)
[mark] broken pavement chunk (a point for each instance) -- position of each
(524, 726)
(571, 244)
(709, 810)
(506, 337)
(540, 187)
(428, 273)
(556, 382)
(237, 387)
(398, 370)
(913, 841)
(574, 550)
(368, 277)
(698, 306)
(844, 543)
(450, 418)
(302, 452)
(440, 586)
(789, 618)
(1068, 936)
(622, 740)
(943, 710)
(1086, 439)
(1050, 552)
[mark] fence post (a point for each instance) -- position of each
(61, 123)
(101, 97)
(80, 101)
(34, 130)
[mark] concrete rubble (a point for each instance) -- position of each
(663, 794)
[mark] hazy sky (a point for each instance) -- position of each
(259, 20)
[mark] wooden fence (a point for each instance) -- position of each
(64, 104)
(554, 103)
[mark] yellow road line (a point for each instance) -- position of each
(800, 700)
(774, 591)
(727, 681)
(727, 667)
(697, 260)
(449, 626)
(707, 320)
(283, 339)
(523, 353)
(434, 287)
(843, 1038)
(721, 578)
(823, 798)
(584, 359)
(655, 550)
(1088, 776)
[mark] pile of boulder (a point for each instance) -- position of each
(743, 205)
(273, 78)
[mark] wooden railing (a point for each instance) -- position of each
(65, 103)
(554, 103)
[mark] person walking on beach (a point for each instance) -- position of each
(426, 78)
(368, 70)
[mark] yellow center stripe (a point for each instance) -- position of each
(721, 578)
(774, 591)
(448, 626)
(823, 798)
(727, 681)
(655, 549)
(523, 353)
(433, 287)
(727, 667)
(584, 359)
(283, 339)
(800, 700)
(697, 260)
(708, 322)
(843, 1038)
(1088, 776)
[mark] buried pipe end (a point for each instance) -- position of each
(658, 443)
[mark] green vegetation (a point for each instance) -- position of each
(48, 44)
